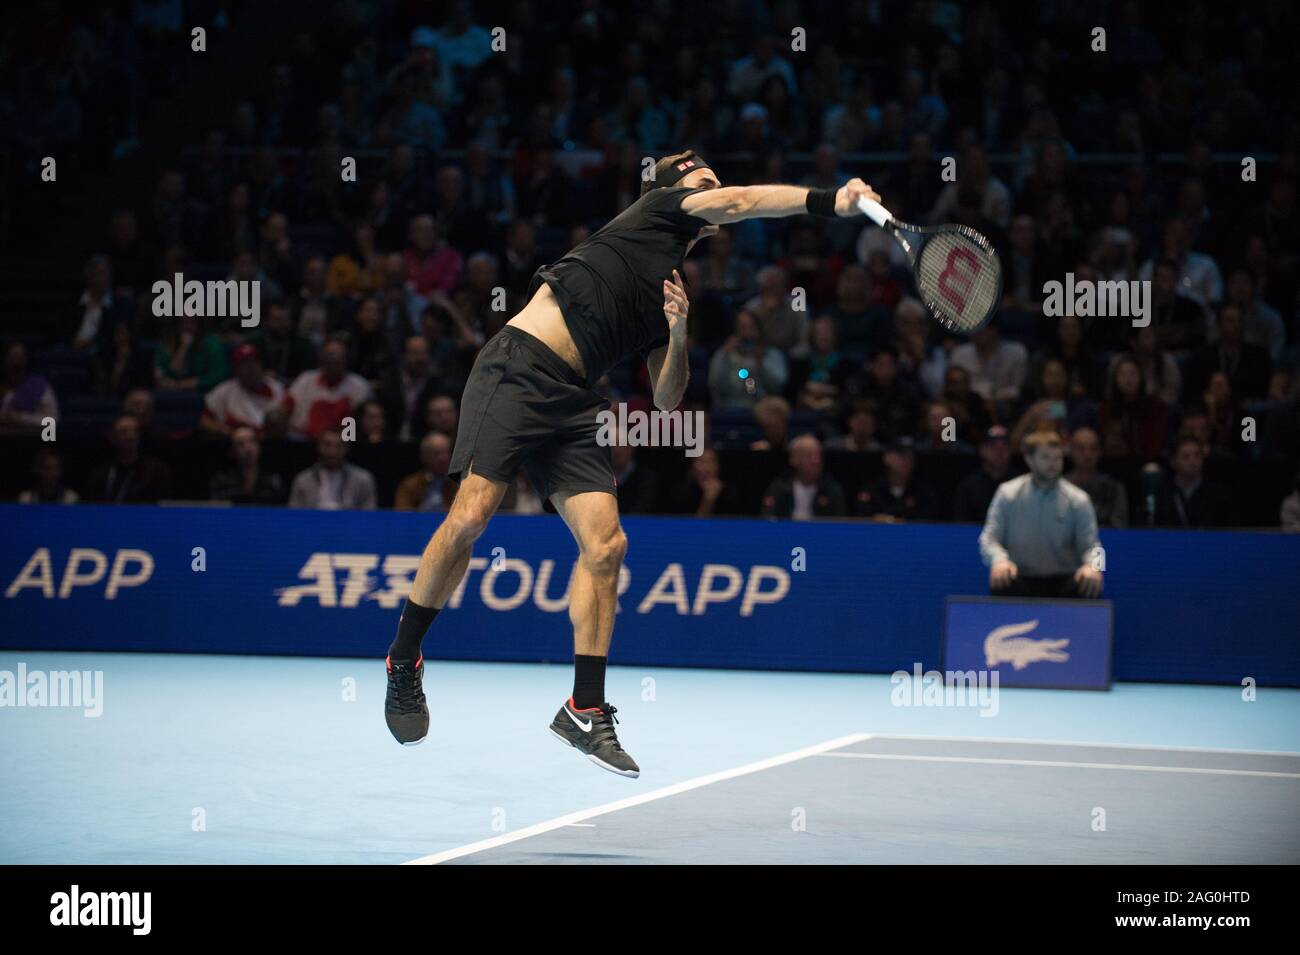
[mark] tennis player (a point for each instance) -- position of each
(529, 401)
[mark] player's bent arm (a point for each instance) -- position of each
(669, 373)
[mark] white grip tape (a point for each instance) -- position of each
(874, 210)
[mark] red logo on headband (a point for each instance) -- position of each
(685, 165)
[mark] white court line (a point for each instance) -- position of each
(1066, 742)
(582, 815)
(1061, 764)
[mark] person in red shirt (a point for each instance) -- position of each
(431, 264)
(323, 397)
(244, 399)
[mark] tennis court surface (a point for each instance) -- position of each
(890, 799)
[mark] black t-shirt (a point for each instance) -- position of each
(610, 287)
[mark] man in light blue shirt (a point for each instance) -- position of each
(1040, 535)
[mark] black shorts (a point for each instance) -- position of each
(523, 405)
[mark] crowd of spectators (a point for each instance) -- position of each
(478, 164)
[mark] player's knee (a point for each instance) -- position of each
(605, 556)
(467, 522)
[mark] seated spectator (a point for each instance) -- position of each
(638, 487)
(284, 352)
(1134, 424)
(139, 404)
(1109, 499)
(244, 399)
(129, 477)
(522, 257)
(816, 379)
(407, 388)
(993, 195)
(332, 484)
(122, 366)
(1159, 370)
(1025, 268)
(1247, 366)
(861, 325)
(1070, 345)
(806, 492)
(1187, 499)
(1198, 275)
(372, 426)
(898, 495)
(860, 430)
(429, 489)
(246, 481)
(26, 400)
(703, 493)
(358, 269)
(1261, 325)
(322, 398)
(976, 491)
(938, 430)
(477, 302)
(441, 415)
(319, 313)
(189, 358)
(773, 416)
(724, 272)
(1053, 407)
(1040, 535)
(1222, 413)
(369, 354)
(89, 325)
(781, 324)
(886, 292)
(897, 400)
(47, 469)
(1178, 320)
(997, 368)
(918, 359)
(431, 264)
(970, 409)
(745, 369)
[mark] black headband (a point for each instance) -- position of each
(679, 171)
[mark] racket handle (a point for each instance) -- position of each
(874, 211)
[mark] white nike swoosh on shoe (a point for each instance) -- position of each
(585, 727)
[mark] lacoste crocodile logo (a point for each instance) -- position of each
(1006, 645)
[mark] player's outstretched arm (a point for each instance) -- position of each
(736, 203)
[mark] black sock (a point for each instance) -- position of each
(588, 681)
(410, 632)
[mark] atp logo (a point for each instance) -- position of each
(1006, 644)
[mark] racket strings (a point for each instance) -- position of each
(960, 277)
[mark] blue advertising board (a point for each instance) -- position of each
(1050, 644)
(747, 594)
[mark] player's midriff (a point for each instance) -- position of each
(542, 319)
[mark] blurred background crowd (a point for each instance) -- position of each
(480, 155)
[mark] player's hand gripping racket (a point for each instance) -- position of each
(956, 270)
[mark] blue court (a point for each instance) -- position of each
(225, 759)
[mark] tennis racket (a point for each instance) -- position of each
(956, 269)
